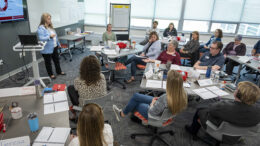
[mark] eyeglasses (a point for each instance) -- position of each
(213, 48)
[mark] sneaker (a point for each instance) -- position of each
(117, 112)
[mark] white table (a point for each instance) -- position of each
(33, 48)
(73, 38)
(188, 90)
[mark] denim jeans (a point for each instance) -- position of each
(134, 61)
(140, 103)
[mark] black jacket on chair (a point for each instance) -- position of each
(234, 112)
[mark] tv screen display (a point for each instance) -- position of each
(11, 10)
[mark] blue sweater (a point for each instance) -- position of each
(44, 35)
(212, 38)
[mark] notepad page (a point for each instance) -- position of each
(44, 135)
(96, 48)
(153, 84)
(205, 82)
(164, 84)
(175, 67)
(48, 109)
(59, 135)
(61, 106)
(47, 98)
(60, 96)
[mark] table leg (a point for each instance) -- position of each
(69, 50)
(238, 73)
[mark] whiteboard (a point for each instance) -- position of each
(120, 16)
(63, 12)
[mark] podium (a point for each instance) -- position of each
(33, 48)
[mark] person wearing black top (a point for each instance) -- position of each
(170, 31)
(244, 111)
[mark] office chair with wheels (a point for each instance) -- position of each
(230, 134)
(154, 123)
(112, 67)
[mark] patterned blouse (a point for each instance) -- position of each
(90, 92)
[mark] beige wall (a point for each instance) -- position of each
(203, 37)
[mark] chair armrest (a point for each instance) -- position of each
(212, 126)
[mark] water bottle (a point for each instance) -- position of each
(208, 72)
(37, 88)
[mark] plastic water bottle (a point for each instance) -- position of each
(37, 88)
(208, 72)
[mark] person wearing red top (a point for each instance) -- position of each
(169, 55)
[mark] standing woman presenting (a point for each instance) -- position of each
(47, 33)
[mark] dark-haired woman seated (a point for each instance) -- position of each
(90, 84)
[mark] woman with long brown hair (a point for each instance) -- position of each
(175, 100)
(91, 130)
(90, 84)
(47, 34)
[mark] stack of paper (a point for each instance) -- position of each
(205, 82)
(18, 141)
(110, 52)
(154, 84)
(55, 102)
(203, 72)
(52, 136)
(96, 48)
(204, 93)
(175, 67)
(210, 92)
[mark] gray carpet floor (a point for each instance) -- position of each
(123, 129)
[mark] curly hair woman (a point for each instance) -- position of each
(90, 84)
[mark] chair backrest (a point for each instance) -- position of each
(100, 100)
(161, 121)
(227, 129)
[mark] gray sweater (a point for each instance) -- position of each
(154, 50)
(157, 109)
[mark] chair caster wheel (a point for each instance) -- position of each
(133, 136)
(70, 60)
(171, 133)
(124, 87)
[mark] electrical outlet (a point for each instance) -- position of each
(1, 62)
(21, 54)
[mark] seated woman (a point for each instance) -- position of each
(242, 111)
(175, 100)
(169, 55)
(91, 130)
(170, 31)
(151, 50)
(191, 48)
(236, 48)
(91, 83)
(216, 37)
(109, 35)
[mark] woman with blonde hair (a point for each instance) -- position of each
(91, 130)
(47, 34)
(175, 100)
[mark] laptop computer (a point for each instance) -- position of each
(27, 40)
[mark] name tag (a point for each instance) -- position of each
(173, 55)
(207, 57)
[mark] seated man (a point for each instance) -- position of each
(148, 31)
(242, 111)
(212, 58)
(256, 49)
(235, 48)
